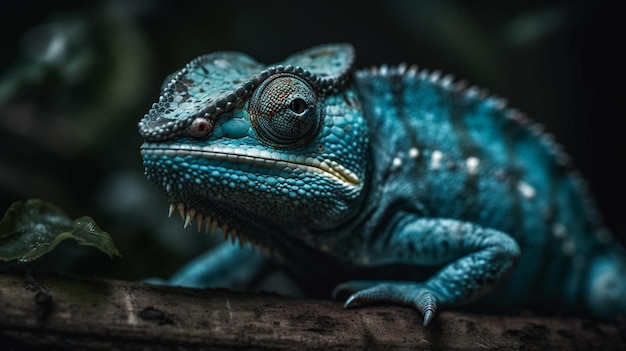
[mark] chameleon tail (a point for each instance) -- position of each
(606, 297)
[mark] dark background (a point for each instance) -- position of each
(76, 77)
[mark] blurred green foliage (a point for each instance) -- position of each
(32, 228)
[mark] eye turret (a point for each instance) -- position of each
(284, 113)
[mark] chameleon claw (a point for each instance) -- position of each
(351, 302)
(428, 316)
(427, 304)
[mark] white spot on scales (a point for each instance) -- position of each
(472, 164)
(435, 159)
(396, 163)
(526, 190)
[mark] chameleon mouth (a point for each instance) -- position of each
(259, 158)
(212, 224)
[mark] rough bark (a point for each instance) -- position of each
(48, 311)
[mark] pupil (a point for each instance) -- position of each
(297, 106)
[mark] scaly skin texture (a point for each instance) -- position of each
(386, 185)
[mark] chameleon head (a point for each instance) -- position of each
(259, 149)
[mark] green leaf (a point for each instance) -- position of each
(33, 228)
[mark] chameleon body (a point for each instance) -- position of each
(387, 185)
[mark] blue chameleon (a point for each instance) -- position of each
(389, 185)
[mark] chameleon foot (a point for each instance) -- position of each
(416, 295)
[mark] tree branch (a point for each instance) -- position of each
(77, 313)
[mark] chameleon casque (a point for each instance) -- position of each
(389, 185)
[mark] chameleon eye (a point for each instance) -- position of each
(283, 112)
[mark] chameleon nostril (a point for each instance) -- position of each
(200, 127)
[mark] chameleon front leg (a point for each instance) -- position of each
(473, 259)
(227, 266)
